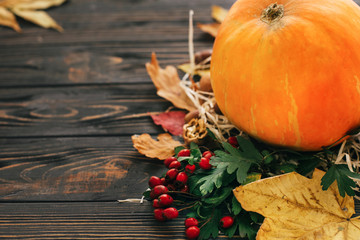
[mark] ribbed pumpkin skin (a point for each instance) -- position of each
(293, 83)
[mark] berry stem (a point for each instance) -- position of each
(192, 205)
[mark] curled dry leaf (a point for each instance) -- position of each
(28, 10)
(186, 67)
(161, 148)
(218, 13)
(210, 28)
(195, 131)
(170, 121)
(167, 83)
(295, 207)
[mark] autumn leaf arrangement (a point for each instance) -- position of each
(226, 182)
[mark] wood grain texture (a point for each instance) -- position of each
(103, 42)
(84, 220)
(79, 110)
(73, 169)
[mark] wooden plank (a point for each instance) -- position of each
(86, 220)
(81, 110)
(103, 42)
(73, 169)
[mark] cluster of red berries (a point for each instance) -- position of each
(192, 230)
(175, 181)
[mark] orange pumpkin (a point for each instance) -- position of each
(288, 71)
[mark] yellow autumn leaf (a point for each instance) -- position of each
(296, 207)
(28, 10)
(218, 14)
(186, 67)
(8, 19)
(161, 148)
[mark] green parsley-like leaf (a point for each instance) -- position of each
(213, 179)
(211, 228)
(236, 160)
(235, 206)
(342, 174)
(220, 194)
(245, 227)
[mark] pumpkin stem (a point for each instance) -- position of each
(273, 13)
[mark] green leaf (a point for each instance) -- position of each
(213, 179)
(307, 164)
(245, 227)
(211, 228)
(193, 183)
(195, 150)
(233, 162)
(146, 194)
(255, 217)
(342, 174)
(235, 206)
(286, 168)
(249, 151)
(219, 196)
(211, 134)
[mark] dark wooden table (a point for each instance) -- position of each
(69, 103)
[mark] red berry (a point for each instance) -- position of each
(226, 221)
(185, 188)
(159, 214)
(169, 160)
(189, 222)
(163, 181)
(190, 168)
(192, 232)
(175, 164)
(181, 180)
(205, 164)
(233, 141)
(158, 190)
(165, 200)
(184, 153)
(207, 154)
(156, 203)
(170, 213)
(171, 174)
(154, 181)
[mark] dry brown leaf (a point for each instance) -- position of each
(296, 207)
(28, 10)
(8, 19)
(167, 83)
(161, 148)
